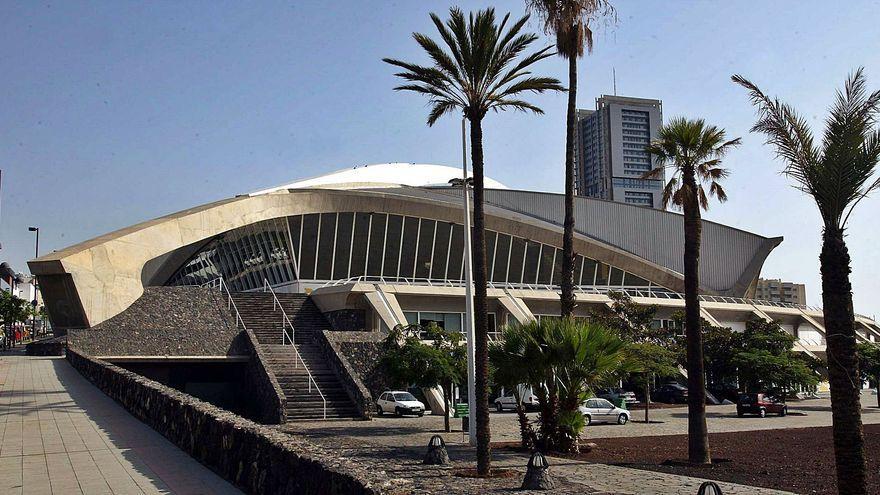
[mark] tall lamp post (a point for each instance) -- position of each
(34, 302)
(464, 182)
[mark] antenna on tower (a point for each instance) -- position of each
(614, 78)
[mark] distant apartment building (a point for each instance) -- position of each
(776, 290)
(611, 156)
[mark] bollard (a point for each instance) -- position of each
(436, 455)
(538, 474)
(709, 488)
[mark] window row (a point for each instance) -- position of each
(336, 246)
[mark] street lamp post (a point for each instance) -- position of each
(469, 293)
(34, 281)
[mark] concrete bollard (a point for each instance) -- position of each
(436, 454)
(538, 474)
(709, 488)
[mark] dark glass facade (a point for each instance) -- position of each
(337, 246)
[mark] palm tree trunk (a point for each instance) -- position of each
(481, 310)
(698, 434)
(567, 301)
(849, 443)
(525, 431)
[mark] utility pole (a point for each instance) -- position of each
(34, 282)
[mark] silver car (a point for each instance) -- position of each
(598, 410)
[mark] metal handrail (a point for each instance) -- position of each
(276, 304)
(219, 283)
(634, 291)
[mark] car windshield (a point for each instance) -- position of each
(403, 396)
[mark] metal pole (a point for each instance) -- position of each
(469, 293)
(34, 321)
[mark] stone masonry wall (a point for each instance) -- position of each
(347, 319)
(257, 459)
(354, 356)
(263, 398)
(165, 321)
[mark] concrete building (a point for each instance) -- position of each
(775, 290)
(357, 252)
(611, 150)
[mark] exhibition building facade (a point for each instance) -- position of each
(381, 245)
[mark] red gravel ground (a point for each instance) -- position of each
(799, 460)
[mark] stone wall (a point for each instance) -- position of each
(347, 319)
(257, 459)
(263, 398)
(165, 321)
(53, 346)
(354, 356)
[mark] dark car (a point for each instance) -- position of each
(671, 393)
(760, 404)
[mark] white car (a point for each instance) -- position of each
(508, 401)
(597, 410)
(399, 403)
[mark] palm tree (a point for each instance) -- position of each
(511, 369)
(693, 150)
(482, 68)
(838, 174)
(562, 359)
(569, 22)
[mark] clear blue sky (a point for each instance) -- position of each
(117, 112)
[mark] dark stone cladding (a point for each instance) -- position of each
(266, 401)
(165, 321)
(257, 459)
(354, 356)
(52, 346)
(347, 319)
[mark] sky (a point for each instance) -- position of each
(117, 112)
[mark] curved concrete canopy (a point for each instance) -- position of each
(89, 282)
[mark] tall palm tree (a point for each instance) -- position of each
(693, 150)
(569, 22)
(838, 174)
(483, 67)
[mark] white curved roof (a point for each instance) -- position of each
(383, 174)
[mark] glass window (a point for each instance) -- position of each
(359, 246)
(392, 245)
(631, 280)
(441, 250)
(344, 225)
(325, 246)
(557, 267)
(616, 279)
(408, 248)
(545, 271)
(308, 245)
(517, 253)
(502, 253)
(578, 269)
(602, 274)
(533, 253)
(588, 275)
(425, 249)
(294, 225)
(455, 270)
(377, 245)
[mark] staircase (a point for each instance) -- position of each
(256, 310)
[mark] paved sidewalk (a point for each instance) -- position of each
(61, 435)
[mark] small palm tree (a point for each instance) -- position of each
(693, 150)
(569, 22)
(838, 174)
(562, 359)
(483, 67)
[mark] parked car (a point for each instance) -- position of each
(671, 393)
(508, 401)
(615, 394)
(597, 410)
(399, 403)
(760, 404)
